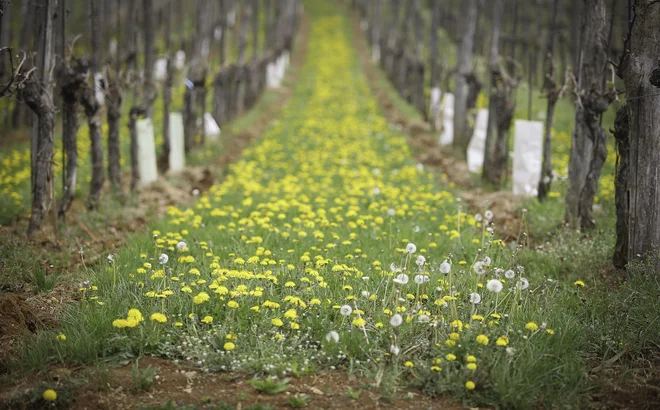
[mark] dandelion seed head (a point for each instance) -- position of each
(396, 320)
(445, 267)
(494, 285)
(346, 310)
(332, 336)
(411, 248)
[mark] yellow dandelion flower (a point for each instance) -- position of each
(158, 317)
(532, 326)
(49, 395)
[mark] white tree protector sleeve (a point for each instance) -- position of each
(177, 159)
(527, 157)
(146, 151)
(477, 146)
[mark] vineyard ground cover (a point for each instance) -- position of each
(57, 254)
(596, 334)
(621, 379)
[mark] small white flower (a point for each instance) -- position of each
(494, 285)
(332, 336)
(478, 218)
(401, 279)
(445, 267)
(391, 212)
(509, 274)
(346, 310)
(479, 267)
(419, 279)
(421, 260)
(475, 298)
(394, 349)
(366, 293)
(111, 257)
(181, 245)
(488, 214)
(365, 278)
(523, 283)
(163, 258)
(396, 320)
(411, 248)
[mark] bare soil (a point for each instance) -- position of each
(113, 388)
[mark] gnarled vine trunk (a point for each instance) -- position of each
(589, 142)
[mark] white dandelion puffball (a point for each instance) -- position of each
(419, 279)
(509, 274)
(479, 267)
(420, 167)
(163, 258)
(421, 260)
(401, 279)
(391, 212)
(494, 285)
(411, 248)
(181, 245)
(365, 278)
(394, 349)
(393, 267)
(416, 229)
(523, 283)
(478, 218)
(195, 192)
(475, 298)
(346, 310)
(423, 319)
(332, 336)
(487, 260)
(366, 294)
(376, 171)
(376, 191)
(445, 267)
(488, 214)
(396, 320)
(111, 257)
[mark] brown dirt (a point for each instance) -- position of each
(184, 386)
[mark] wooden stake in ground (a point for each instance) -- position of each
(92, 107)
(500, 109)
(434, 111)
(464, 78)
(589, 142)
(552, 94)
(113, 101)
